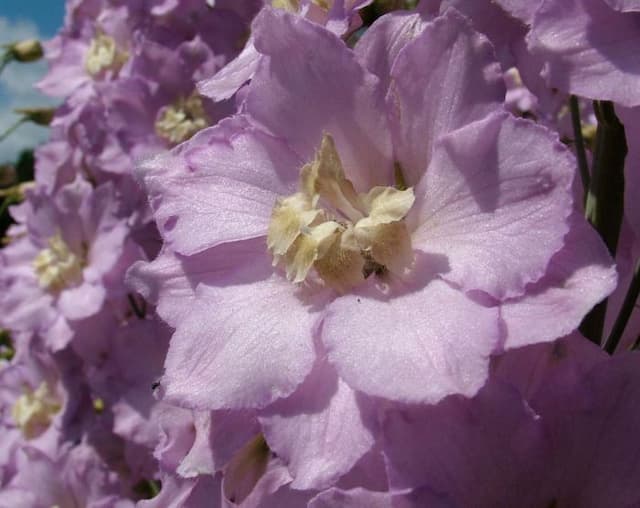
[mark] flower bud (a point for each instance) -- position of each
(39, 116)
(7, 175)
(28, 50)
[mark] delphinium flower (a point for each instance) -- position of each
(65, 261)
(76, 477)
(128, 72)
(32, 403)
(357, 254)
(351, 236)
(94, 46)
(167, 50)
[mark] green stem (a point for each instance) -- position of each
(625, 311)
(5, 59)
(605, 199)
(10, 130)
(581, 153)
(8, 200)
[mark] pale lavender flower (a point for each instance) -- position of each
(477, 227)
(77, 477)
(67, 260)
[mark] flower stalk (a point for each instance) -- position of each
(605, 199)
(581, 153)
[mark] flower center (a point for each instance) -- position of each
(104, 55)
(182, 119)
(56, 266)
(287, 5)
(329, 230)
(34, 410)
(294, 5)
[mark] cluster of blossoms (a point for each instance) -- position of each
(329, 253)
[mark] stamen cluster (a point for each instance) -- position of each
(104, 55)
(344, 236)
(57, 266)
(182, 119)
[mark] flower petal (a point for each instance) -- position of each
(378, 48)
(484, 451)
(320, 431)
(578, 277)
(311, 84)
(170, 280)
(495, 201)
(221, 191)
(353, 498)
(589, 48)
(243, 345)
(82, 301)
(445, 78)
(624, 5)
(415, 346)
(232, 76)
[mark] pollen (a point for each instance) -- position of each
(57, 266)
(323, 4)
(179, 121)
(294, 5)
(330, 232)
(287, 5)
(34, 410)
(104, 55)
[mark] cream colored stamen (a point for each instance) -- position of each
(181, 120)
(57, 266)
(245, 468)
(287, 5)
(104, 55)
(34, 410)
(294, 5)
(323, 4)
(344, 236)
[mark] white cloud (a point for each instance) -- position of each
(17, 90)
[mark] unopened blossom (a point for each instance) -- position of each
(339, 225)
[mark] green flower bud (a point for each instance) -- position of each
(39, 116)
(28, 50)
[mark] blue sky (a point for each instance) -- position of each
(22, 19)
(46, 14)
